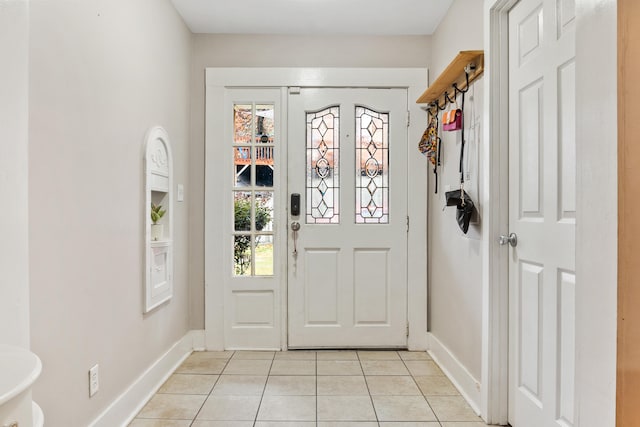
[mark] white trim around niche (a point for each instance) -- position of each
(415, 80)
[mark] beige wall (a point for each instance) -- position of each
(455, 259)
(272, 51)
(101, 74)
(14, 115)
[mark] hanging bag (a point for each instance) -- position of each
(452, 119)
(429, 144)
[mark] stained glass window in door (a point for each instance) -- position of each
(323, 166)
(372, 166)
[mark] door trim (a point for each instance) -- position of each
(495, 280)
(414, 80)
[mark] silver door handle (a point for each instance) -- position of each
(511, 239)
(295, 226)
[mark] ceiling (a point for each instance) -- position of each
(313, 17)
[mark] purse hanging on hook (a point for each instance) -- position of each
(452, 119)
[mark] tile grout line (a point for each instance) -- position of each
(264, 388)
(421, 392)
(211, 391)
(366, 383)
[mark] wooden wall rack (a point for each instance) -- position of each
(454, 73)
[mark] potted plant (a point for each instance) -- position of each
(156, 229)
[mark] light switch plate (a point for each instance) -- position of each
(180, 193)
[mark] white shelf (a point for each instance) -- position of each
(19, 369)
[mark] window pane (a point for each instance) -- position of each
(242, 255)
(242, 161)
(264, 255)
(242, 210)
(242, 123)
(372, 166)
(264, 165)
(323, 166)
(265, 129)
(264, 211)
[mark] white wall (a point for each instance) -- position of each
(273, 51)
(455, 259)
(101, 74)
(14, 130)
(597, 218)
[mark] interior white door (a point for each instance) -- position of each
(347, 158)
(542, 212)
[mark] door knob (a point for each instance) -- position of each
(511, 239)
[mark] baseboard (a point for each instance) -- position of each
(125, 407)
(466, 384)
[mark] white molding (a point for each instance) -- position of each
(415, 80)
(126, 406)
(495, 264)
(467, 385)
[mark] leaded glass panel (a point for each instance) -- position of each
(323, 166)
(372, 166)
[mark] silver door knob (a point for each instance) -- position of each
(511, 239)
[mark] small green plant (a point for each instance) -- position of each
(157, 212)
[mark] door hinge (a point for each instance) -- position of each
(408, 118)
(407, 223)
(294, 90)
(407, 329)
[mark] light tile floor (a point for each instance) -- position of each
(308, 388)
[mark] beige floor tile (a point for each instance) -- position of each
(293, 367)
(378, 355)
(239, 385)
(202, 363)
(337, 355)
(342, 385)
(298, 385)
(403, 408)
(386, 385)
(410, 424)
(287, 408)
(436, 385)
(285, 424)
(347, 424)
(230, 408)
(254, 355)
(384, 367)
(296, 355)
(189, 384)
(345, 408)
(414, 355)
(248, 367)
(423, 367)
(138, 422)
(463, 424)
(452, 408)
(172, 406)
(222, 424)
(339, 367)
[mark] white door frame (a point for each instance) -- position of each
(414, 80)
(495, 281)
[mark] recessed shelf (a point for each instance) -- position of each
(454, 73)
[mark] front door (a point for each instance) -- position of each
(542, 213)
(347, 268)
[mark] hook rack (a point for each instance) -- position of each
(467, 66)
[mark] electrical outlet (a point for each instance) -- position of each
(94, 380)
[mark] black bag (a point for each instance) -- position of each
(464, 207)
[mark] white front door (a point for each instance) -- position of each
(347, 268)
(542, 212)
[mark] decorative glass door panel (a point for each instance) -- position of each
(323, 166)
(253, 185)
(372, 166)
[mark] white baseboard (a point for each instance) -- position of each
(467, 385)
(125, 407)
